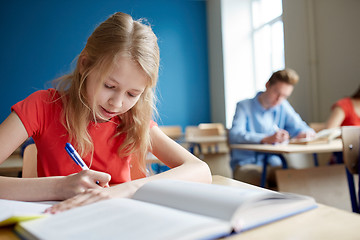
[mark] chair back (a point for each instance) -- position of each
(195, 131)
(174, 132)
(219, 126)
(29, 168)
(351, 142)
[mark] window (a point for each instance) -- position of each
(253, 42)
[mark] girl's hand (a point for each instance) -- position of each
(78, 183)
(124, 190)
(86, 197)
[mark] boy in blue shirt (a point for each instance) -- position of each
(268, 118)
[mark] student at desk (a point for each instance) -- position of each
(268, 118)
(345, 112)
(104, 108)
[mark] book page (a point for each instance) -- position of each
(16, 211)
(205, 199)
(323, 136)
(254, 214)
(124, 219)
(330, 133)
(243, 208)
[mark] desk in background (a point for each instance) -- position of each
(205, 144)
(12, 166)
(213, 150)
(333, 146)
(280, 149)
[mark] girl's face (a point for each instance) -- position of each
(120, 91)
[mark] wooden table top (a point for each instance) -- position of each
(333, 146)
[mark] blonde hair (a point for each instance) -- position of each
(118, 36)
(287, 75)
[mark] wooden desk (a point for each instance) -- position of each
(333, 146)
(280, 149)
(321, 223)
(206, 139)
(11, 166)
(213, 150)
(205, 144)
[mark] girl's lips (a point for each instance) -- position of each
(105, 113)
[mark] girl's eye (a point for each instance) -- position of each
(131, 95)
(108, 86)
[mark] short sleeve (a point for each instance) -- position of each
(344, 103)
(33, 109)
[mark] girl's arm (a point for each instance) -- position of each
(12, 135)
(337, 116)
(183, 164)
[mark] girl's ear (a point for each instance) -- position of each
(82, 63)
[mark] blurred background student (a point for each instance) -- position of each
(268, 118)
(345, 112)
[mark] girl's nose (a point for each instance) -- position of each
(116, 101)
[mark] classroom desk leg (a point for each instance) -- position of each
(264, 172)
(316, 161)
(283, 161)
(358, 200)
(354, 202)
(351, 184)
(265, 163)
(192, 147)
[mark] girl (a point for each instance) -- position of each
(345, 112)
(104, 109)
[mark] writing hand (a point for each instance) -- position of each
(86, 197)
(278, 137)
(126, 190)
(79, 182)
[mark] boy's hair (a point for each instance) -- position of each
(287, 75)
(118, 36)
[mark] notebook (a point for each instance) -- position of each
(170, 209)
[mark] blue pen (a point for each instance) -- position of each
(75, 156)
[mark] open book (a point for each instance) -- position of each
(323, 136)
(170, 209)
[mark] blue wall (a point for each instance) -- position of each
(40, 39)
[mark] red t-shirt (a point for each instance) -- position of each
(41, 113)
(351, 117)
